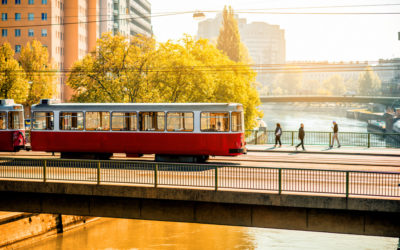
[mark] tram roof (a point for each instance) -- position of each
(138, 107)
(9, 105)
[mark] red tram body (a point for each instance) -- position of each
(12, 130)
(166, 130)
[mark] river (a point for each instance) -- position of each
(139, 234)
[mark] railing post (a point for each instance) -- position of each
(330, 139)
(256, 138)
(44, 170)
(216, 178)
(280, 181)
(98, 173)
(155, 175)
(292, 138)
(347, 184)
(369, 140)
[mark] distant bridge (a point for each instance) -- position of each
(354, 99)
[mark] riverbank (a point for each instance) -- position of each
(22, 229)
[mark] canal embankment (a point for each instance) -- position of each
(21, 229)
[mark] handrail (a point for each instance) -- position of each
(215, 177)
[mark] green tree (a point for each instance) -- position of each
(229, 38)
(369, 83)
(40, 73)
(13, 84)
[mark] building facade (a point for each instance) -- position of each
(265, 43)
(69, 28)
(127, 17)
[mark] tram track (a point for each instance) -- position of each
(257, 159)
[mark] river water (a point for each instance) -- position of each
(139, 234)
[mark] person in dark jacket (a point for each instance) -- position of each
(278, 133)
(301, 136)
(335, 135)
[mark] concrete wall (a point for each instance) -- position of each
(311, 213)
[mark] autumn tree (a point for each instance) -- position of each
(40, 73)
(229, 38)
(117, 71)
(289, 82)
(369, 83)
(141, 70)
(13, 84)
(334, 85)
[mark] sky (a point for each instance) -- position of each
(308, 37)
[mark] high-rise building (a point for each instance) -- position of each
(69, 28)
(265, 43)
(127, 17)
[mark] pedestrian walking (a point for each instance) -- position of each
(301, 136)
(335, 135)
(278, 133)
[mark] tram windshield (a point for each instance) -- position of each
(237, 121)
(15, 120)
(214, 122)
(3, 120)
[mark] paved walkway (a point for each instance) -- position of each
(325, 150)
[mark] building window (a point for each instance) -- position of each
(44, 32)
(17, 48)
(17, 32)
(30, 32)
(44, 16)
(17, 1)
(3, 1)
(30, 16)
(44, 1)
(17, 16)
(4, 32)
(4, 17)
(31, 2)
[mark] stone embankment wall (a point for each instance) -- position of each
(16, 228)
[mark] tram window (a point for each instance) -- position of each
(43, 120)
(71, 120)
(123, 121)
(3, 120)
(237, 124)
(98, 121)
(15, 120)
(180, 122)
(152, 121)
(214, 122)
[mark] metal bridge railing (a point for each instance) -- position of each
(356, 139)
(205, 176)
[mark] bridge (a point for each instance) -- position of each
(338, 201)
(353, 99)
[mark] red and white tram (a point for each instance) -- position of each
(188, 131)
(12, 129)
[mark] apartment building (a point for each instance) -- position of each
(69, 28)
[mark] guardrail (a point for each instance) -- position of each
(356, 139)
(216, 177)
